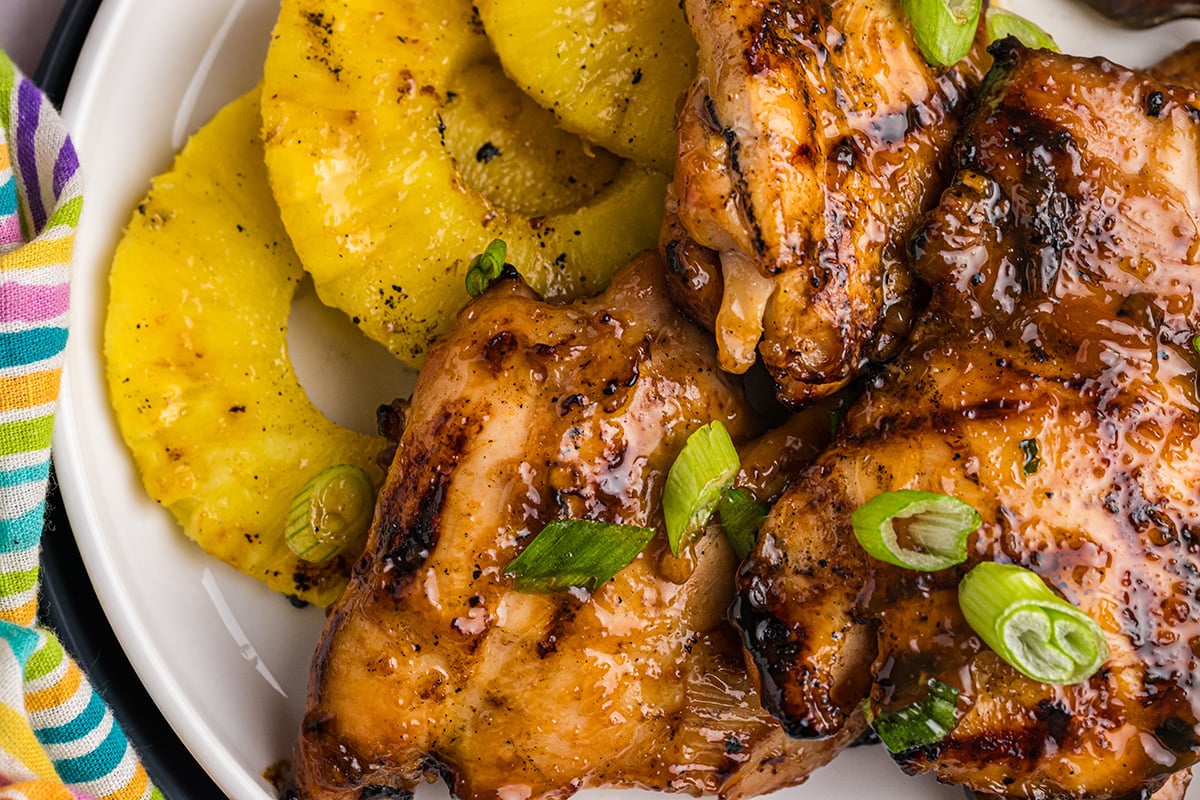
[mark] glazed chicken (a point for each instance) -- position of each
(1181, 68)
(810, 142)
(1175, 788)
(1051, 383)
(433, 664)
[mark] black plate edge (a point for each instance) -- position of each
(53, 73)
(68, 605)
(67, 601)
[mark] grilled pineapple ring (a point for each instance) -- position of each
(197, 366)
(610, 70)
(375, 202)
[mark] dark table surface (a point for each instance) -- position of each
(25, 28)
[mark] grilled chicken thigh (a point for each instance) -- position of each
(1051, 384)
(432, 663)
(809, 143)
(1175, 788)
(1181, 67)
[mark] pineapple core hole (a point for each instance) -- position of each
(345, 374)
(513, 152)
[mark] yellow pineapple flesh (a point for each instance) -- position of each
(197, 365)
(356, 100)
(610, 70)
(511, 150)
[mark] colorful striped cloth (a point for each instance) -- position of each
(58, 739)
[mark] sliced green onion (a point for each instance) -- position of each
(944, 29)
(1029, 447)
(705, 467)
(576, 553)
(330, 513)
(1002, 23)
(918, 725)
(486, 267)
(741, 517)
(932, 534)
(1196, 344)
(1029, 626)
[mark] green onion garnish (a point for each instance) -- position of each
(1029, 626)
(916, 530)
(1029, 447)
(486, 267)
(944, 29)
(741, 517)
(705, 467)
(918, 725)
(1002, 23)
(330, 513)
(576, 553)
(1196, 343)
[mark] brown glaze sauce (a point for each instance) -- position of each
(1062, 261)
(433, 664)
(809, 143)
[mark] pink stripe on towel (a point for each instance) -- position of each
(22, 303)
(10, 230)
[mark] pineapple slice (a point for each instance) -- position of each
(358, 98)
(610, 70)
(513, 152)
(197, 364)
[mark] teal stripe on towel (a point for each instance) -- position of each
(96, 764)
(8, 197)
(22, 640)
(23, 532)
(84, 723)
(16, 477)
(25, 347)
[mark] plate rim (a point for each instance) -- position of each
(80, 502)
(200, 741)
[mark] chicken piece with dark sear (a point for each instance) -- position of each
(1181, 68)
(433, 664)
(1174, 789)
(1051, 383)
(810, 142)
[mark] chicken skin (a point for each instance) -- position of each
(433, 664)
(809, 143)
(1051, 383)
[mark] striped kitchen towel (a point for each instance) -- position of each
(58, 739)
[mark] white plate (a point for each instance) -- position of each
(225, 659)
